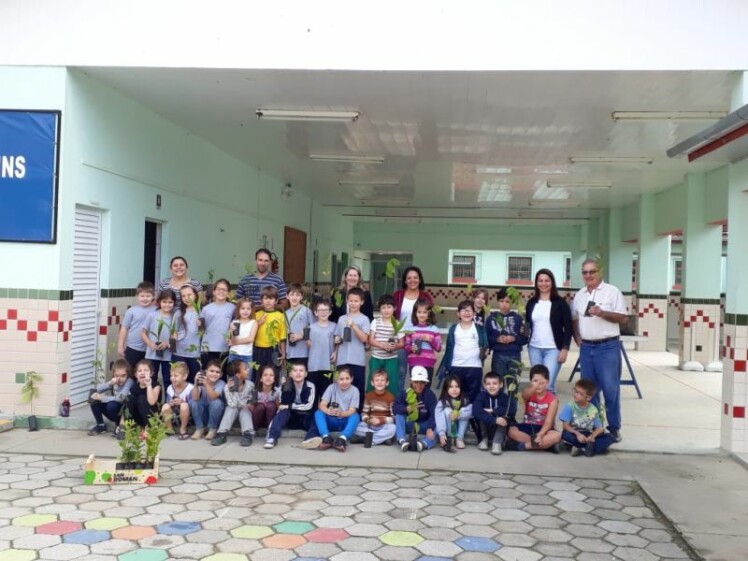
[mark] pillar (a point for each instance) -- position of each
(652, 285)
(734, 429)
(620, 256)
(699, 329)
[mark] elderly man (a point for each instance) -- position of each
(597, 312)
(250, 286)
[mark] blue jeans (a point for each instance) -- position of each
(462, 425)
(110, 410)
(504, 364)
(327, 423)
(403, 427)
(291, 419)
(602, 364)
(548, 357)
(208, 412)
(602, 442)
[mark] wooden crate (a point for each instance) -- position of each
(105, 472)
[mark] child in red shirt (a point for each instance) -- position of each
(537, 432)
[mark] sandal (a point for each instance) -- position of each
(184, 436)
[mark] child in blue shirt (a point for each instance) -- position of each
(298, 320)
(130, 346)
(495, 410)
(416, 399)
(351, 335)
(582, 423)
(505, 337)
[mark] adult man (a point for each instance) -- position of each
(597, 312)
(250, 286)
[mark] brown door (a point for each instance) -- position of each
(294, 255)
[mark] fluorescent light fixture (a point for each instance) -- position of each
(347, 158)
(579, 185)
(488, 170)
(403, 220)
(668, 115)
(300, 115)
(537, 213)
(548, 170)
(369, 182)
(555, 204)
(494, 192)
(611, 160)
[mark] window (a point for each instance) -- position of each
(519, 270)
(567, 271)
(677, 273)
(463, 268)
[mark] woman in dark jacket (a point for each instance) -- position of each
(548, 319)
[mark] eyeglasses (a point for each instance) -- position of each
(220, 289)
(590, 272)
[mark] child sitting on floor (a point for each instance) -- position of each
(495, 410)
(537, 432)
(110, 406)
(414, 412)
(177, 401)
(238, 394)
(453, 412)
(338, 411)
(376, 416)
(583, 427)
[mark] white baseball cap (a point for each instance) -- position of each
(419, 374)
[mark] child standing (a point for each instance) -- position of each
(377, 416)
(537, 432)
(583, 427)
(414, 412)
(495, 411)
(243, 332)
(271, 330)
(384, 343)
(156, 334)
(480, 299)
(187, 322)
(338, 411)
(351, 334)
(452, 415)
(297, 399)
(207, 405)
(504, 333)
(110, 406)
(425, 340)
(321, 345)
(130, 345)
(144, 394)
(216, 318)
(177, 402)
(298, 320)
(238, 394)
(268, 398)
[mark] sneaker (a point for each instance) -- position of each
(97, 429)
(219, 439)
(575, 451)
(460, 444)
(269, 444)
(483, 444)
(211, 434)
(555, 449)
(246, 440)
(198, 434)
(326, 443)
(420, 446)
(496, 449)
(403, 445)
(616, 435)
(119, 434)
(340, 444)
(589, 450)
(311, 443)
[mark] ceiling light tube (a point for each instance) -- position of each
(579, 185)
(555, 204)
(611, 160)
(369, 182)
(668, 115)
(347, 158)
(300, 115)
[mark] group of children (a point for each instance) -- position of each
(220, 362)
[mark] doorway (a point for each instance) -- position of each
(294, 255)
(152, 252)
(382, 284)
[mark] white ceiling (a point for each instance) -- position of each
(438, 129)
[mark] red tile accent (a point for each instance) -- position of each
(59, 528)
(102, 329)
(70, 325)
(660, 316)
(22, 325)
(3, 324)
(326, 535)
(700, 312)
(60, 326)
(738, 412)
(53, 315)
(114, 310)
(686, 324)
(31, 336)
(12, 314)
(739, 366)
(646, 333)
(66, 336)
(64, 378)
(41, 326)
(711, 325)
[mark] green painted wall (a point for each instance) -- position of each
(630, 222)
(715, 203)
(670, 209)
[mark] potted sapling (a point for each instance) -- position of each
(411, 398)
(29, 391)
(131, 445)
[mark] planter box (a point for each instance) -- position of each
(105, 472)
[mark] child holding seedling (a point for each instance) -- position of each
(495, 410)
(271, 330)
(295, 409)
(207, 405)
(414, 413)
(177, 402)
(377, 419)
(537, 432)
(321, 345)
(109, 397)
(243, 333)
(268, 398)
(156, 335)
(505, 338)
(238, 394)
(425, 340)
(216, 322)
(452, 414)
(583, 427)
(384, 341)
(187, 322)
(298, 320)
(351, 334)
(144, 394)
(338, 412)
(130, 346)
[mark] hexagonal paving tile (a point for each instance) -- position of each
(144, 555)
(401, 539)
(86, 537)
(59, 528)
(472, 543)
(106, 523)
(133, 533)
(17, 555)
(291, 527)
(34, 520)
(251, 532)
(326, 535)
(177, 528)
(284, 541)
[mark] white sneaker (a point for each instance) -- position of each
(311, 443)
(483, 444)
(210, 435)
(269, 444)
(496, 449)
(575, 451)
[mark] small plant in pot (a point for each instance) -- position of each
(131, 445)
(411, 398)
(29, 391)
(153, 435)
(161, 324)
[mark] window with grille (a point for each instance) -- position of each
(677, 273)
(519, 270)
(463, 268)
(567, 271)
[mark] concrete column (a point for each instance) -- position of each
(700, 292)
(652, 286)
(734, 433)
(620, 257)
(739, 91)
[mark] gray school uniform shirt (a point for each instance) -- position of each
(188, 334)
(352, 352)
(217, 319)
(153, 335)
(345, 399)
(136, 318)
(302, 317)
(321, 346)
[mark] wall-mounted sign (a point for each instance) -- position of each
(29, 162)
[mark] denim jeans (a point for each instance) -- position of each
(602, 364)
(291, 419)
(327, 423)
(602, 442)
(548, 357)
(110, 410)
(504, 364)
(462, 425)
(403, 428)
(208, 412)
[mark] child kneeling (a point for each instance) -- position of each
(238, 393)
(414, 412)
(537, 432)
(338, 411)
(376, 416)
(583, 427)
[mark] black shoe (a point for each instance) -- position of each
(589, 449)
(326, 443)
(219, 439)
(246, 439)
(555, 449)
(355, 439)
(340, 444)
(97, 429)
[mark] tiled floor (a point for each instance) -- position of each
(238, 512)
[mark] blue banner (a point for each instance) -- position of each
(28, 176)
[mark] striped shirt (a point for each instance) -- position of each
(250, 286)
(166, 285)
(376, 405)
(383, 332)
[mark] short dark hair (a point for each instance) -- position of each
(178, 257)
(386, 300)
(541, 369)
(588, 386)
(121, 363)
(265, 251)
(493, 376)
(356, 291)
(296, 287)
(321, 302)
(269, 292)
(420, 303)
(215, 362)
(380, 372)
(502, 293)
(465, 305)
(144, 286)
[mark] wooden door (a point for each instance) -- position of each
(294, 255)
